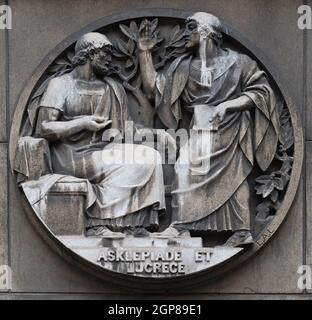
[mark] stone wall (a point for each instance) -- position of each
(38, 26)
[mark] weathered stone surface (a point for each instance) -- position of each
(36, 268)
(263, 25)
(146, 257)
(2, 84)
(274, 269)
(71, 223)
(4, 239)
(128, 242)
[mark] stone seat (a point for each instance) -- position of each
(69, 187)
(65, 203)
(69, 197)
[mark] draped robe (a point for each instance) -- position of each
(119, 194)
(211, 190)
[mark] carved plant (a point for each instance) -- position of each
(174, 46)
(127, 51)
(271, 187)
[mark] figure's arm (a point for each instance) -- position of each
(52, 129)
(241, 103)
(148, 72)
(146, 43)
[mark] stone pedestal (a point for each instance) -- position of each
(150, 257)
(151, 242)
(68, 198)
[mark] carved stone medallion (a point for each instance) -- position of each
(156, 148)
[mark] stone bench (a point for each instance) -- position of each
(65, 203)
(69, 197)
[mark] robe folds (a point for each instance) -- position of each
(211, 190)
(120, 193)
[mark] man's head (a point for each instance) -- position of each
(96, 48)
(202, 25)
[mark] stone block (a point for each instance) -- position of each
(68, 198)
(150, 257)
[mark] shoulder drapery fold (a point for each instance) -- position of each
(119, 105)
(169, 87)
(266, 123)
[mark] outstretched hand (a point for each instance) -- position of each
(147, 40)
(219, 113)
(95, 123)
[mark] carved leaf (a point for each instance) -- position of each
(274, 196)
(284, 119)
(284, 179)
(129, 63)
(143, 23)
(134, 29)
(278, 184)
(178, 44)
(159, 40)
(179, 36)
(61, 62)
(272, 187)
(127, 31)
(263, 179)
(131, 46)
(153, 25)
(263, 210)
(289, 142)
(286, 136)
(286, 167)
(117, 53)
(174, 33)
(178, 51)
(122, 46)
(269, 187)
(55, 68)
(260, 189)
(70, 56)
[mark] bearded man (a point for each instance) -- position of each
(74, 113)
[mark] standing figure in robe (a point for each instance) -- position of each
(234, 125)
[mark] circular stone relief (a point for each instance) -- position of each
(156, 147)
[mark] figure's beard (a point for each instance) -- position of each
(102, 69)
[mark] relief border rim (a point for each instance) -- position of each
(171, 283)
